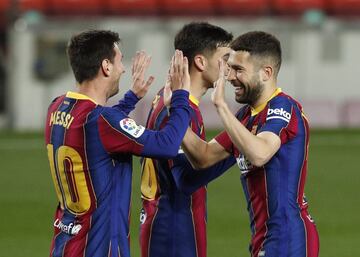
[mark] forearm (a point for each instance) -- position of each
(127, 103)
(196, 150)
(166, 142)
(255, 148)
(189, 180)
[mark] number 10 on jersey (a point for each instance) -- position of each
(67, 171)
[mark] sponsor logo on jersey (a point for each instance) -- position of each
(278, 114)
(129, 126)
(244, 164)
(70, 229)
(142, 216)
(261, 253)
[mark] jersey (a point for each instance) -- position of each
(90, 150)
(173, 223)
(280, 223)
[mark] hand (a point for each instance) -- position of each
(167, 91)
(140, 64)
(179, 72)
(218, 95)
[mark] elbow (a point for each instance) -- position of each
(199, 165)
(259, 161)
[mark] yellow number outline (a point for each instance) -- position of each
(67, 171)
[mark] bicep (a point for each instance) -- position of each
(271, 142)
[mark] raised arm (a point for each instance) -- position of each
(139, 87)
(121, 134)
(200, 153)
(188, 180)
(259, 148)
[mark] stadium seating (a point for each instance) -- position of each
(76, 6)
(339, 7)
(186, 7)
(245, 7)
(4, 5)
(26, 5)
(297, 6)
(131, 6)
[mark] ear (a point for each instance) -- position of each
(267, 73)
(106, 67)
(200, 62)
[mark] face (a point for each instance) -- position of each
(245, 77)
(211, 73)
(117, 70)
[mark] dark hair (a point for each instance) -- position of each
(260, 44)
(88, 49)
(200, 38)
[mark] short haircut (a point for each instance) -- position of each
(87, 50)
(200, 38)
(260, 44)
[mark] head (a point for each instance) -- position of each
(203, 44)
(254, 63)
(95, 53)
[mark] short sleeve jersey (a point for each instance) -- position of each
(275, 191)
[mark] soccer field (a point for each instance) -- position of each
(28, 201)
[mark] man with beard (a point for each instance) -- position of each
(269, 138)
(90, 146)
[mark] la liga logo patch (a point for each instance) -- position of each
(130, 127)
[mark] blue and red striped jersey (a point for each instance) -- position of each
(280, 223)
(90, 150)
(173, 223)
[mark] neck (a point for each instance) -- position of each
(93, 90)
(198, 86)
(268, 91)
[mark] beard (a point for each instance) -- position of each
(251, 91)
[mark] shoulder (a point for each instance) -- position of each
(56, 101)
(284, 101)
(282, 107)
(110, 118)
(109, 113)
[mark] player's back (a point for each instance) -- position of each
(84, 176)
(173, 223)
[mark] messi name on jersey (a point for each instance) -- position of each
(61, 118)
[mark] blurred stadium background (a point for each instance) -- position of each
(320, 40)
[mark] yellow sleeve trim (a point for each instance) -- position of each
(194, 100)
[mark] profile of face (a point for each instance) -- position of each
(211, 72)
(244, 75)
(116, 71)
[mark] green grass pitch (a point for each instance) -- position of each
(28, 202)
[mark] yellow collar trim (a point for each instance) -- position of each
(79, 96)
(194, 100)
(255, 111)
